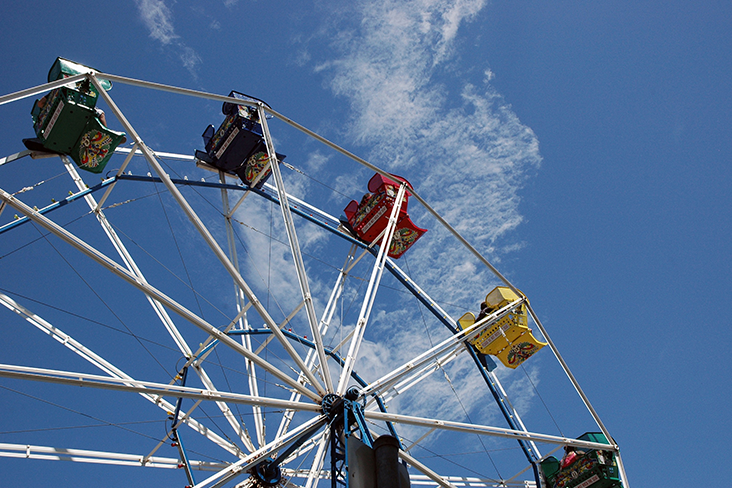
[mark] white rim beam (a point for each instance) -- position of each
(37, 90)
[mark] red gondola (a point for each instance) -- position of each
(370, 217)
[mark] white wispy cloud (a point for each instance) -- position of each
(458, 141)
(158, 18)
(452, 146)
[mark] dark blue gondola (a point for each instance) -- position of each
(238, 145)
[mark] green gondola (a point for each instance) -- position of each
(66, 120)
(583, 468)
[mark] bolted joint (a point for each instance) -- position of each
(332, 405)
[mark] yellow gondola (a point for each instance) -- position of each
(510, 338)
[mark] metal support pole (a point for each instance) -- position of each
(296, 252)
(243, 323)
(368, 301)
(184, 458)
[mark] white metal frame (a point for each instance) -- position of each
(313, 379)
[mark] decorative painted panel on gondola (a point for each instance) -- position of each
(95, 146)
(509, 339)
(238, 145)
(66, 120)
(371, 216)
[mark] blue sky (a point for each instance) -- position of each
(583, 148)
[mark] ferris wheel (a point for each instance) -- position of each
(219, 323)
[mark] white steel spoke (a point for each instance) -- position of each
(62, 337)
(400, 388)
(126, 257)
(316, 468)
(307, 446)
(422, 437)
(484, 430)
(324, 325)
(108, 367)
(246, 340)
(303, 473)
(258, 456)
(99, 457)
(280, 327)
(469, 482)
(370, 296)
(204, 232)
(225, 410)
(148, 289)
(419, 376)
(124, 384)
(392, 378)
(207, 346)
(296, 253)
(424, 469)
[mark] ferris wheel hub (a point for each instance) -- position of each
(332, 405)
